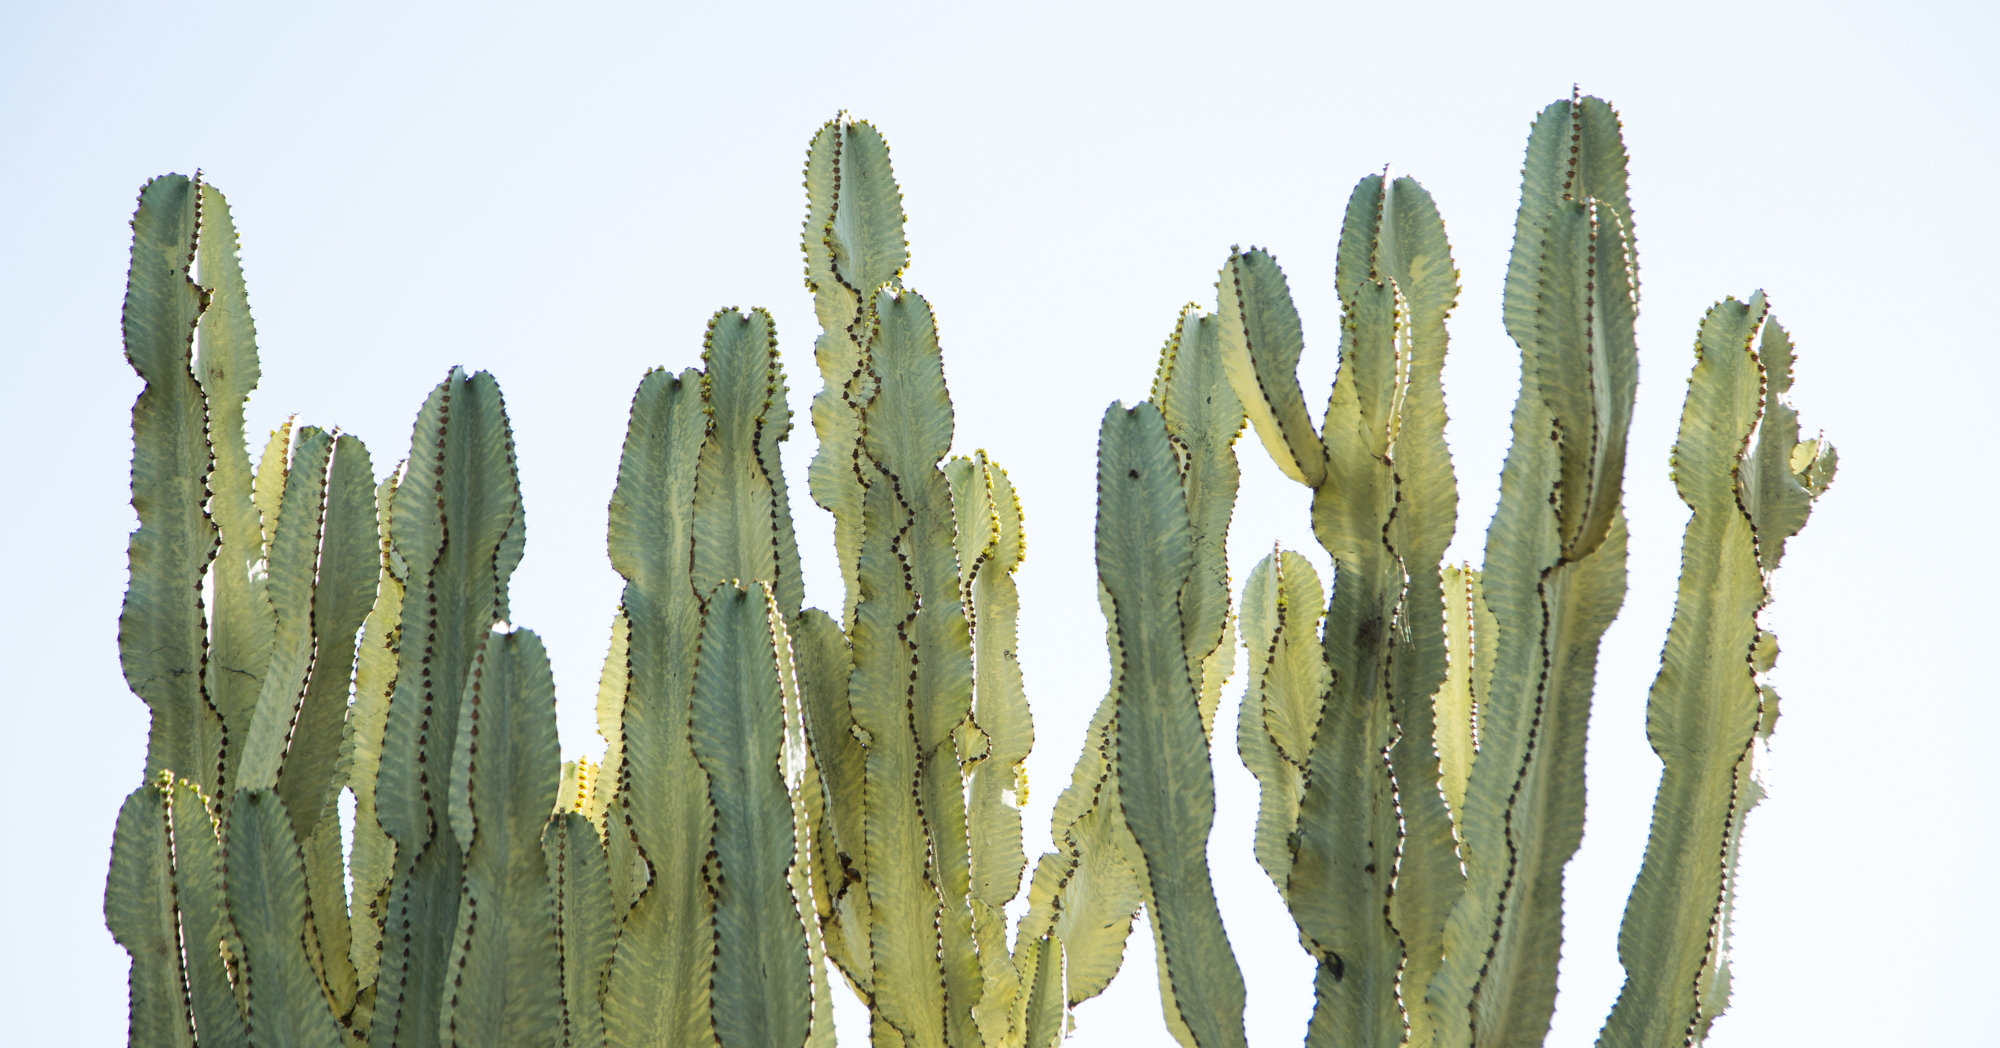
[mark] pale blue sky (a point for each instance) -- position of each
(563, 196)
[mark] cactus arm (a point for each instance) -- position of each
(161, 633)
(657, 990)
(269, 916)
(1784, 475)
(775, 430)
(853, 245)
(1385, 511)
(198, 891)
(322, 584)
(987, 507)
(1278, 785)
(329, 935)
(1411, 251)
(825, 665)
(1523, 814)
(806, 793)
(506, 983)
(240, 635)
(611, 684)
(1292, 692)
(1349, 834)
(1261, 343)
(1284, 699)
(140, 909)
(1085, 893)
(1092, 884)
(833, 478)
(1041, 1022)
(733, 511)
(581, 887)
(1100, 897)
(833, 303)
(865, 230)
(1166, 788)
(454, 512)
(1552, 581)
(1587, 364)
(294, 561)
(627, 870)
(1513, 1002)
(1707, 715)
(1571, 300)
(1576, 151)
(311, 776)
(1002, 704)
(762, 987)
(1703, 712)
(348, 568)
(976, 524)
(1204, 418)
(373, 858)
(907, 429)
(944, 810)
(268, 487)
(907, 972)
(1524, 799)
(1455, 704)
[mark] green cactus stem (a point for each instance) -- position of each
(1740, 466)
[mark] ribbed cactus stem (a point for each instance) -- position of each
(659, 821)
(1711, 706)
(226, 364)
(1552, 581)
(458, 526)
(573, 853)
(506, 972)
(1166, 789)
(762, 986)
(162, 635)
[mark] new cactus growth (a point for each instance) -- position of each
(788, 791)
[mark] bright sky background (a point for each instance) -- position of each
(562, 194)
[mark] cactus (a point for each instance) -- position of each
(785, 788)
(1422, 769)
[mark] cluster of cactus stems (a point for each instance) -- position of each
(1420, 742)
(788, 792)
